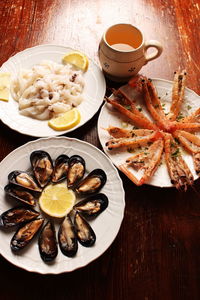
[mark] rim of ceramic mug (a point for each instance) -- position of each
(126, 51)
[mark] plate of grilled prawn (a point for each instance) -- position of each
(150, 129)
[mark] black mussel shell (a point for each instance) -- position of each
(21, 194)
(67, 238)
(92, 206)
(24, 180)
(47, 242)
(92, 183)
(42, 166)
(85, 233)
(17, 216)
(76, 170)
(60, 168)
(25, 234)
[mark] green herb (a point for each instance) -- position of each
(172, 144)
(176, 153)
(130, 150)
(146, 153)
(124, 124)
(149, 143)
(180, 116)
(176, 140)
(189, 107)
(163, 104)
(134, 127)
(128, 107)
(156, 106)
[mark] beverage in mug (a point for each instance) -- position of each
(123, 51)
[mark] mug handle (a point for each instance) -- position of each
(155, 54)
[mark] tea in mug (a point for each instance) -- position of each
(123, 38)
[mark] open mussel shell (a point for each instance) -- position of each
(92, 206)
(47, 242)
(84, 231)
(92, 183)
(21, 194)
(76, 170)
(25, 234)
(42, 166)
(67, 238)
(24, 180)
(17, 216)
(60, 168)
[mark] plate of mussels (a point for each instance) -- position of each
(37, 242)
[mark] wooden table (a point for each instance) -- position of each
(156, 254)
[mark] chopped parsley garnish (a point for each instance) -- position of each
(149, 143)
(180, 116)
(176, 140)
(189, 107)
(128, 107)
(130, 150)
(176, 153)
(156, 106)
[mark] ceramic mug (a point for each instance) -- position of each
(123, 51)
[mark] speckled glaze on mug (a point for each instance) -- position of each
(118, 64)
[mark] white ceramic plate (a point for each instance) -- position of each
(110, 117)
(94, 91)
(106, 225)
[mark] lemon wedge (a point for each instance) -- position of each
(77, 59)
(66, 121)
(56, 200)
(4, 86)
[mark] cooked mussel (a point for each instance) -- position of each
(92, 183)
(23, 179)
(47, 242)
(42, 166)
(60, 168)
(17, 216)
(92, 206)
(21, 194)
(85, 233)
(76, 170)
(25, 234)
(67, 238)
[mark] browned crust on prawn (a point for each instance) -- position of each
(191, 143)
(178, 90)
(179, 172)
(154, 106)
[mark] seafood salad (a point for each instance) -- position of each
(28, 219)
(156, 136)
(48, 89)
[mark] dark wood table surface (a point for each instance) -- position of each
(156, 254)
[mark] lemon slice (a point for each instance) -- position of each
(77, 59)
(57, 200)
(66, 121)
(4, 86)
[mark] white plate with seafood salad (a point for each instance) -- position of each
(36, 94)
(109, 116)
(106, 225)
